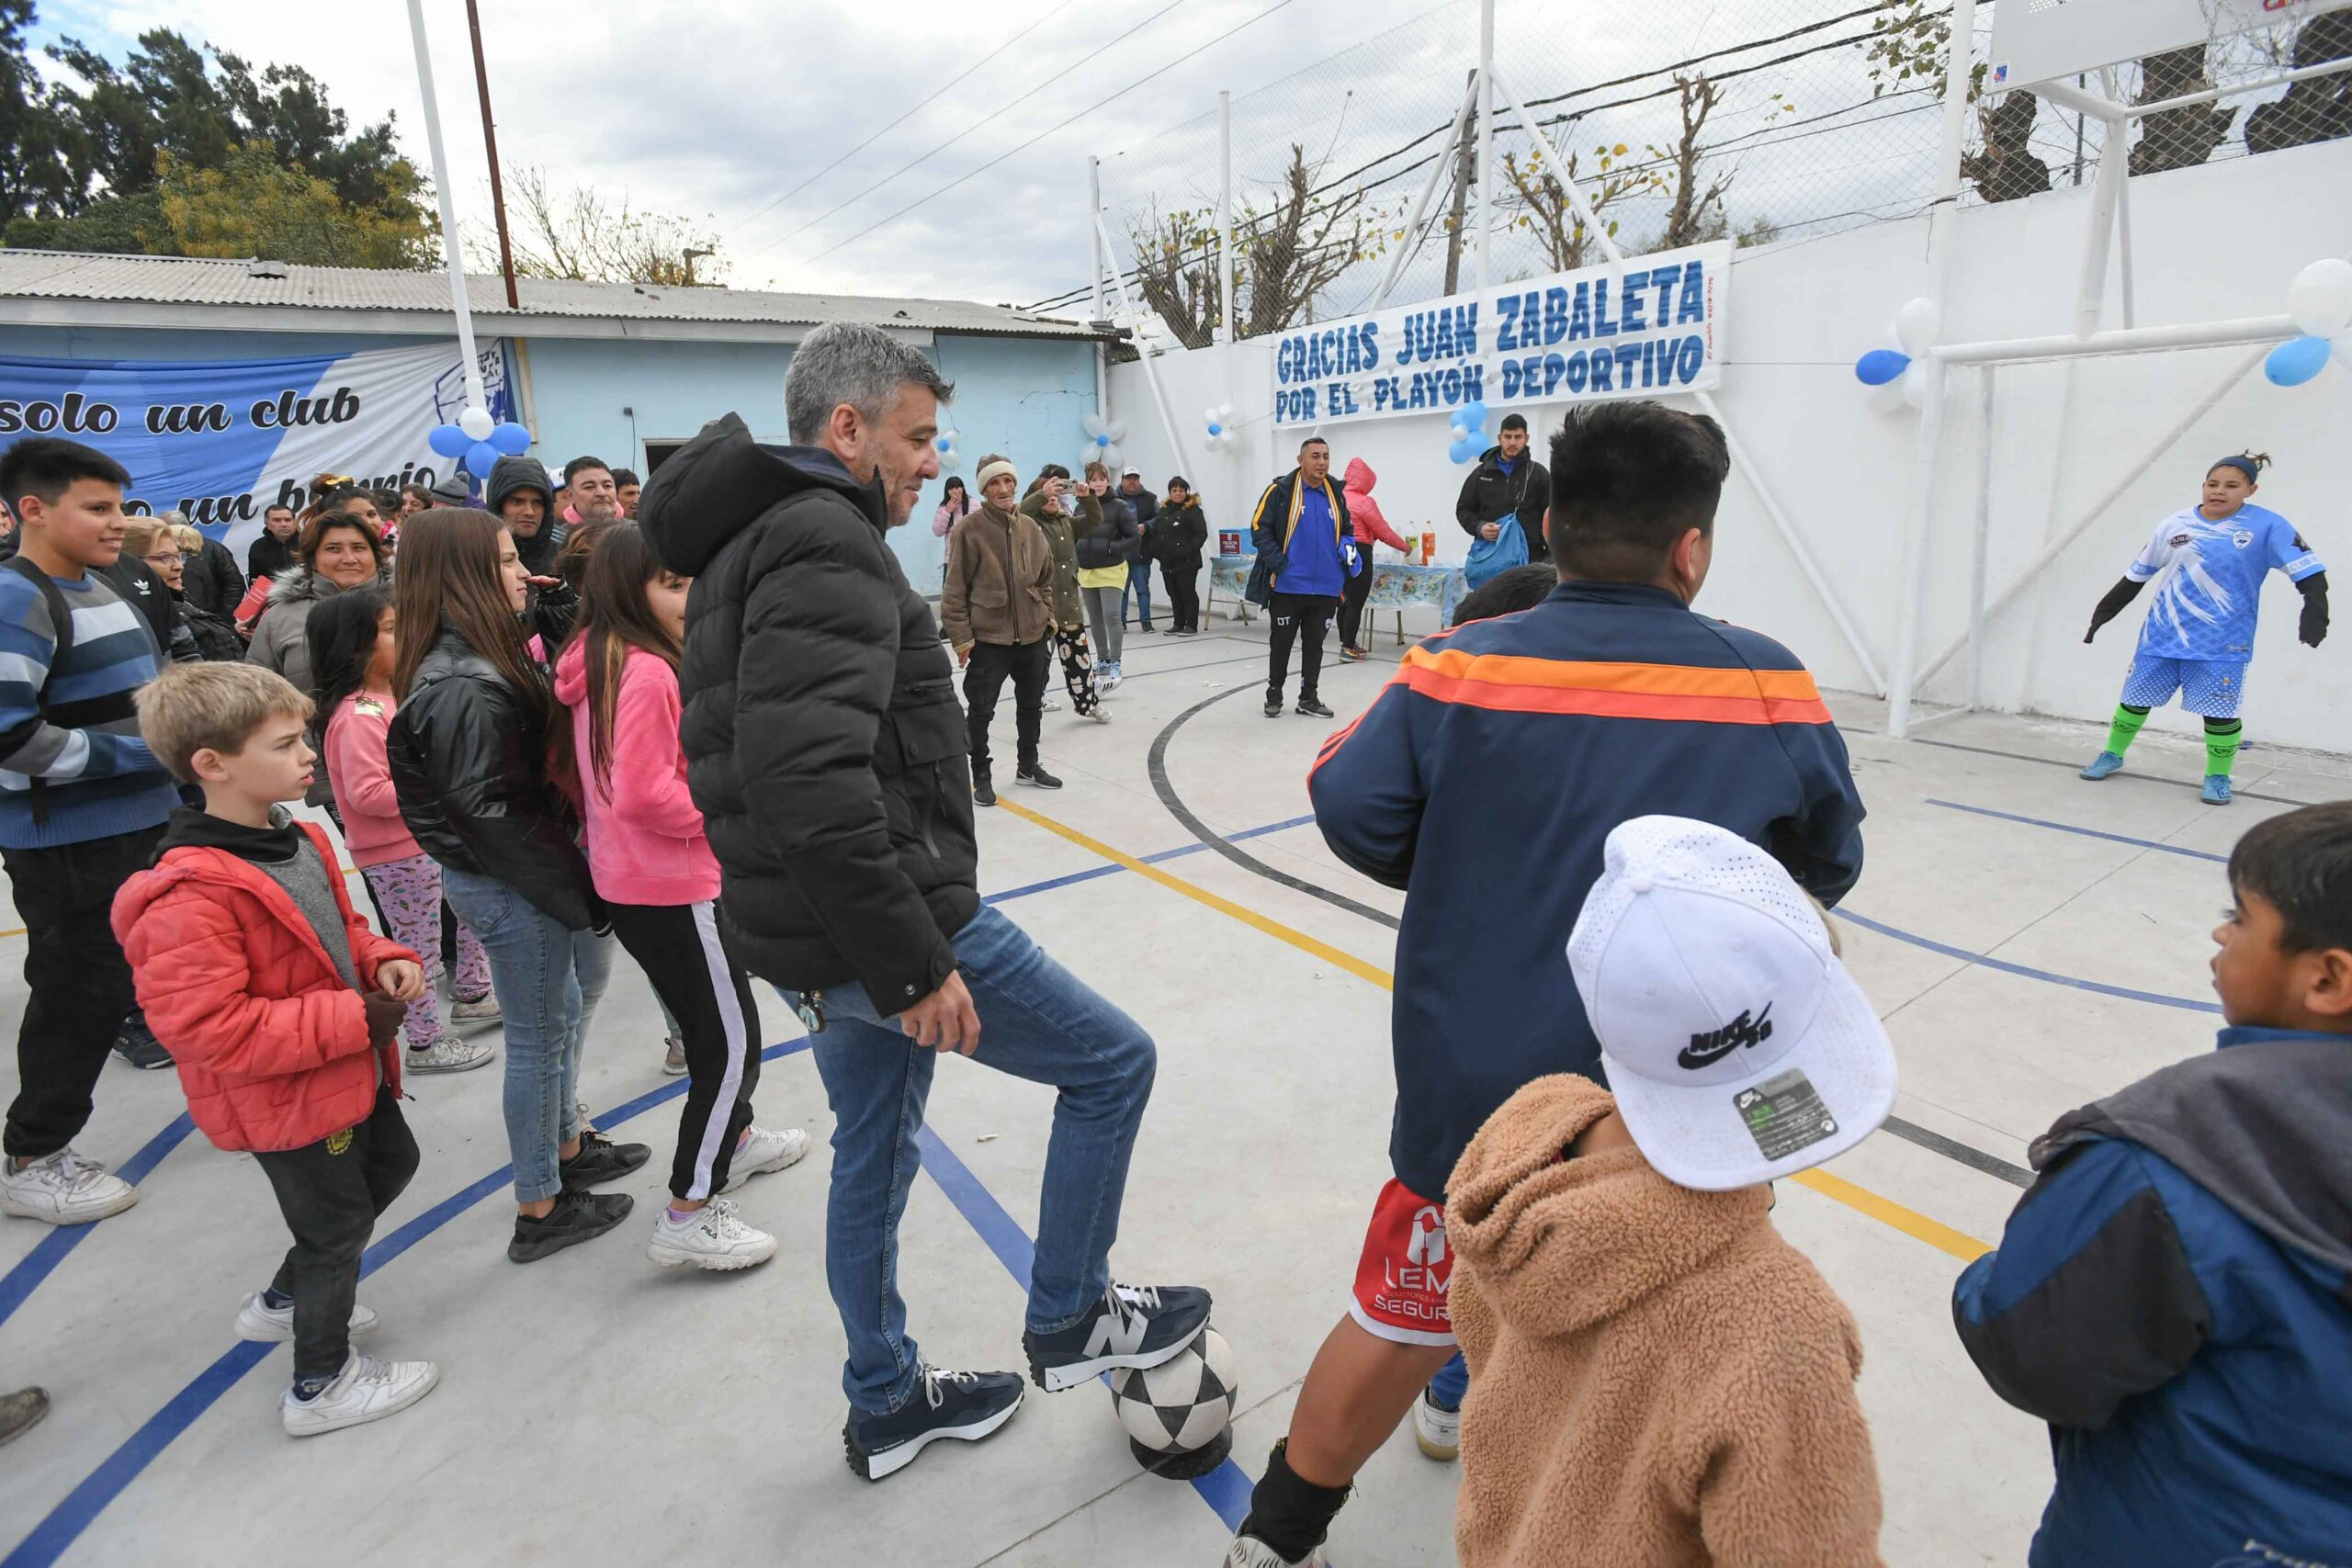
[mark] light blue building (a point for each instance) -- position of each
(607, 368)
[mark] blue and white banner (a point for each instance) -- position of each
(1648, 328)
(224, 440)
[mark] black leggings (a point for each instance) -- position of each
(1351, 600)
(680, 949)
(1300, 618)
(1184, 584)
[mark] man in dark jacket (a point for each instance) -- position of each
(1179, 533)
(826, 751)
(211, 581)
(1146, 506)
(518, 495)
(1507, 483)
(1302, 532)
(1485, 781)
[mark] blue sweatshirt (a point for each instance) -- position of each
(98, 777)
(1486, 778)
(1316, 541)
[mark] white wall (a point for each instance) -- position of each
(2223, 240)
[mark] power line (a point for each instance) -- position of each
(903, 119)
(959, 136)
(1059, 126)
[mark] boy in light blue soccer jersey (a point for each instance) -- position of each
(2208, 563)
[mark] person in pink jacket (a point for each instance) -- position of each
(352, 642)
(1371, 528)
(652, 867)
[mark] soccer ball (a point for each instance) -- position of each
(1179, 1414)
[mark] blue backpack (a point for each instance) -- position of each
(1490, 558)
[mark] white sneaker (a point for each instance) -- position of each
(1249, 1551)
(449, 1054)
(63, 1189)
(366, 1389)
(711, 1237)
(674, 1056)
(257, 1320)
(1438, 1430)
(1100, 715)
(1051, 704)
(482, 1009)
(765, 1150)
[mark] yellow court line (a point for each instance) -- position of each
(1862, 1199)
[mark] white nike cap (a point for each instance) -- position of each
(1738, 1046)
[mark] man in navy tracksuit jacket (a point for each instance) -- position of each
(1483, 782)
(1301, 527)
(2173, 1293)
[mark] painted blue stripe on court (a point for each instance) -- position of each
(59, 1244)
(1100, 872)
(2081, 832)
(2188, 1004)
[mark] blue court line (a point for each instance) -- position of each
(2083, 832)
(59, 1244)
(2188, 1004)
(1102, 871)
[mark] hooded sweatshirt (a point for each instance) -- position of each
(645, 838)
(513, 474)
(1364, 511)
(1655, 1376)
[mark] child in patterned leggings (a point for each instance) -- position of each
(352, 642)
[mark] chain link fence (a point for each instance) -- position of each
(1753, 120)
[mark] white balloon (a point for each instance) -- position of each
(1209, 416)
(1459, 431)
(1886, 398)
(477, 423)
(1116, 430)
(1914, 383)
(1226, 413)
(2320, 300)
(1918, 325)
(2342, 345)
(1091, 424)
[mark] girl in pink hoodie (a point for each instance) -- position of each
(1372, 528)
(652, 867)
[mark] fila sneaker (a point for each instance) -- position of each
(968, 1407)
(1135, 1325)
(713, 1236)
(765, 1150)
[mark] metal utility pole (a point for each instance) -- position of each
(489, 141)
(1465, 152)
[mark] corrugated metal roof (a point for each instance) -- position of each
(192, 280)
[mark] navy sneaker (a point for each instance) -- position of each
(968, 1406)
(1135, 1325)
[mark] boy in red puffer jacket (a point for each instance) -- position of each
(281, 1008)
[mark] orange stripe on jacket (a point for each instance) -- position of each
(1517, 684)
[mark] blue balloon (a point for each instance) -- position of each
(448, 440)
(1472, 414)
(1881, 365)
(1216, 429)
(2297, 361)
(1463, 451)
(1102, 441)
(511, 439)
(480, 457)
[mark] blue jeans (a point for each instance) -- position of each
(1037, 1022)
(1138, 590)
(1452, 1381)
(548, 978)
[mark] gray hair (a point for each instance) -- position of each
(174, 517)
(849, 362)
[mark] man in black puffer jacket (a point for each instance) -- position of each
(827, 754)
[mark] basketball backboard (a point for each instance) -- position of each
(2045, 41)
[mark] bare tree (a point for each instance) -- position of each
(1176, 272)
(2004, 167)
(1540, 201)
(2177, 138)
(579, 234)
(1694, 205)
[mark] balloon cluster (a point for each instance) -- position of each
(477, 441)
(2320, 300)
(1224, 435)
(944, 445)
(1103, 438)
(1893, 375)
(1469, 433)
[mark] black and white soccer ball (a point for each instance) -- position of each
(1179, 1414)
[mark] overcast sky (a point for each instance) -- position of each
(713, 108)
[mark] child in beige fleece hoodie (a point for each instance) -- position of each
(1657, 1377)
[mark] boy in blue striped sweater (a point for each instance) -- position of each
(81, 805)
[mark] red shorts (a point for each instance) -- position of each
(1401, 1280)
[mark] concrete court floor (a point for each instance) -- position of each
(595, 1409)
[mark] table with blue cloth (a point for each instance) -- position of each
(1396, 587)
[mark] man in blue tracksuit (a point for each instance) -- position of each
(1483, 782)
(2173, 1293)
(1301, 526)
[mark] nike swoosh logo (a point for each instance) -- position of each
(1695, 1057)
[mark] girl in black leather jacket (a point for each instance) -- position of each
(467, 749)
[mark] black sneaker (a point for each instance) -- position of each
(1034, 775)
(576, 1217)
(1275, 706)
(600, 1160)
(1147, 628)
(1135, 1325)
(983, 789)
(137, 1046)
(968, 1406)
(1313, 708)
